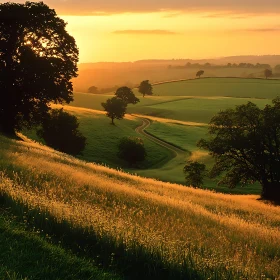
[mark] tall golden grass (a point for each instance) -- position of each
(196, 233)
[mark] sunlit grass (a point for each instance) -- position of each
(184, 232)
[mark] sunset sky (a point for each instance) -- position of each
(127, 30)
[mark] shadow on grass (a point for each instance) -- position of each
(26, 255)
(131, 262)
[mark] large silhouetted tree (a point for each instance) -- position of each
(60, 131)
(115, 108)
(245, 143)
(38, 58)
(145, 88)
(127, 95)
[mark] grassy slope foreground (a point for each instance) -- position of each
(27, 255)
(141, 227)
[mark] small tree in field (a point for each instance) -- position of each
(145, 88)
(199, 73)
(245, 143)
(132, 149)
(60, 131)
(115, 108)
(126, 95)
(93, 89)
(267, 73)
(38, 59)
(195, 173)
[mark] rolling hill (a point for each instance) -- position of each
(141, 228)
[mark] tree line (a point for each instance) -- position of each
(228, 65)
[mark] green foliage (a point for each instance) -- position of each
(115, 108)
(132, 149)
(199, 73)
(60, 131)
(245, 143)
(145, 88)
(126, 95)
(195, 172)
(38, 59)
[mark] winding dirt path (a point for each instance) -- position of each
(141, 130)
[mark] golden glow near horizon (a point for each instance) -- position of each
(134, 36)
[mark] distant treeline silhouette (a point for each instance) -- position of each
(229, 65)
(96, 90)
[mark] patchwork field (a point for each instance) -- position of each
(138, 228)
(193, 100)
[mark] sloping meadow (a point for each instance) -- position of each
(139, 226)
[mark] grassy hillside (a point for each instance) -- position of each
(140, 227)
(29, 254)
(103, 139)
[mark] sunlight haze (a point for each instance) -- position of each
(124, 31)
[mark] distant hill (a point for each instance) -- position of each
(114, 74)
(269, 59)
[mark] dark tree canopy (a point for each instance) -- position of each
(60, 131)
(115, 108)
(245, 143)
(132, 149)
(38, 58)
(145, 88)
(194, 172)
(199, 73)
(267, 73)
(127, 95)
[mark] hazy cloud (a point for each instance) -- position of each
(145, 32)
(276, 29)
(95, 7)
(226, 14)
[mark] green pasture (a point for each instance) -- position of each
(193, 109)
(186, 137)
(90, 101)
(183, 136)
(193, 100)
(233, 87)
(103, 138)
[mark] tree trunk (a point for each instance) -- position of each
(7, 124)
(112, 120)
(8, 131)
(271, 191)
